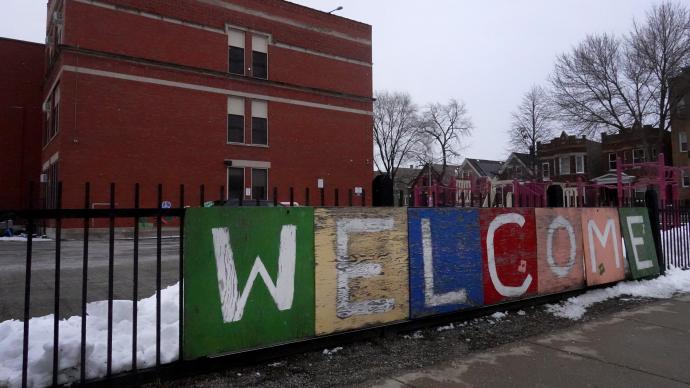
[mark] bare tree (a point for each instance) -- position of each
(532, 122)
(395, 130)
(443, 126)
(661, 45)
(593, 90)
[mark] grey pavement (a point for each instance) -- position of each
(13, 265)
(644, 347)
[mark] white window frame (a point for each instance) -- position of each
(546, 171)
(231, 110)
(256, 38)
(612, 161)
(227, 181)
(251, 182)
(561, 165)
(261, 113)
(581, 168)
(683, 141)
(684, 175)
(642, 158)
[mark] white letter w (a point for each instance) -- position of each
(232, 301)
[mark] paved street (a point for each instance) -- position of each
(13, 264)
(644, 347)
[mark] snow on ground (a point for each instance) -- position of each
(669, 240)
(41, 341)
(23, 238)
(675, 281)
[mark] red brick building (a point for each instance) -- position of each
(21, 83)
(240, 94)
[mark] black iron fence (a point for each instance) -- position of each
(673, 219)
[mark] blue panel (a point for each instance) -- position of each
(451, 240)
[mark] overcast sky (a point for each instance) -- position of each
(486, 53)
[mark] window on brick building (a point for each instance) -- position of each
(52, 112)
(235, 120)
(259, 183)
(612, 161)
(564, 165)
(260, 56)
(686, 179)
(638, 155)
(50, 188)
(259, 122)
(235, 182)
(579, 164)
(236, 51)
(683, 141)
(545, 171)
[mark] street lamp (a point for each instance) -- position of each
(337, 9)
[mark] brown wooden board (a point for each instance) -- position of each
(560, 259)
(361, 267)
(602, 245)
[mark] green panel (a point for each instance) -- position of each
(213, 327)
(639, 242)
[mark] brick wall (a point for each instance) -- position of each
(21, 78)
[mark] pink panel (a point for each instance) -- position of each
(559, 250)
(603, 247)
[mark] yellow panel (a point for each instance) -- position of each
(361, 267)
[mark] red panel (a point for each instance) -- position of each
(509, 252)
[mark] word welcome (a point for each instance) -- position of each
(262, 276)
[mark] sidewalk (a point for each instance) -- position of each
(645, 347)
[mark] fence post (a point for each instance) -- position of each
(652, 203)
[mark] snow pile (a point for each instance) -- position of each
(499, 315)
(23, 238)
(669, 240)
(40, 366)
(447, 327)
(327, 352)
(675, 281)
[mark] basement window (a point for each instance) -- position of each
(259, 183)
(235, 182)
(259, 56)
(236, 52)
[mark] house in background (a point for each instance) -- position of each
(433, 182)
(475, 176)
(680, 129)
(635, 145)
(405, 178)
(566, 161)
(518, 166)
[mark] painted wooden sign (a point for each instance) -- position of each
(559, 250)
(602, 245)
(509, 252)
(445, 260)
(249, 278)
(639, 242)
(361, 267)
